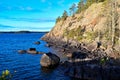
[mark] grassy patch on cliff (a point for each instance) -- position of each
(76, 33)
(80, 34)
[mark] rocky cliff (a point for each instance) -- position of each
(89, 27)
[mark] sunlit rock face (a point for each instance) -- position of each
(89, 26)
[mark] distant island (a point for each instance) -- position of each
(23, 32)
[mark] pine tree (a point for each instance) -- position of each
(80, 6)
(72, 9)
(88, 3)
(58, 19)
(65, 15)
(100, 0)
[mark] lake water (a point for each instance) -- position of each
(25, 66)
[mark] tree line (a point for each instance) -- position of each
(76, 9)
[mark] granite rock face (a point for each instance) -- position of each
(90, 22)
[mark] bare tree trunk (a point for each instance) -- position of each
(119, 29)
(113, 21)
(112, 5)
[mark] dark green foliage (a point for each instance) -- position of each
(58, 19)
(89, 2)
(79, 18)
(80, 6)
(78, 33)
(84, 4)
(91, 35)
(117, 31)
(65, 15)
(100, 0)
(104, 60)
(72, 9)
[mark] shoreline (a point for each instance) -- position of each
(84, 64)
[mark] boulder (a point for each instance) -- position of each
(49, 60)
(76, 55)
(38, 42)
(69, 55)
(21, 51)
(41, 53)
(92, 46)
(32, 51)
(62, 50)
(79, 55)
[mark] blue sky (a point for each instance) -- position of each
(33, 15)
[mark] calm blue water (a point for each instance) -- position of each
(25, 66)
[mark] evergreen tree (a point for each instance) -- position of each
(65, 15)
(100, 0)
(58, 19)
(72, 9)
(88, 3)
(80, 6)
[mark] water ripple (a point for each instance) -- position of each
(25, 66)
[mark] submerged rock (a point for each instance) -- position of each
(32, 52)
(37, 43)
(49, 60)
(21, 51)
